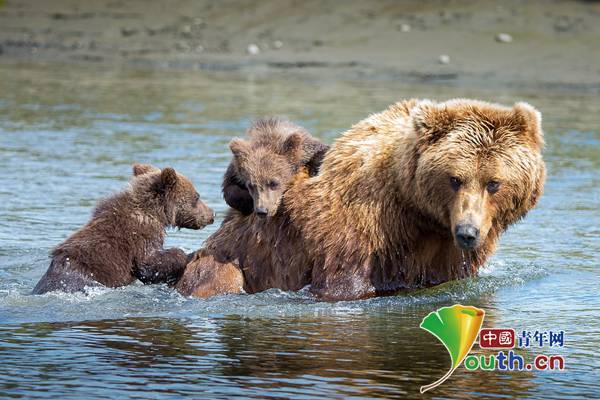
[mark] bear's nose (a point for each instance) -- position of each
(211, 218)
(261, 212)
(466, 235)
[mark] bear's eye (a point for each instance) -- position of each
(196, 199)
(455, 183)
(273, 184)
(493, 186)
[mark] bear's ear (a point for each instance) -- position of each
(292, 145)
(529, 120)
(313, 157)
(313, 151)
(168, 178)
(239, 148)
(432, 121)
(141, 169)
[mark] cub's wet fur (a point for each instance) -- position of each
(124, 238)
(263, 165)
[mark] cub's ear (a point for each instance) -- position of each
(141, 169)
(239, 148)
(432, 121)
(530, 121)
(316, 159)
(313, 150)
(292, 144)
(168, 178)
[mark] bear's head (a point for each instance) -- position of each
(171, 196)
(479, 166)
(267, 169)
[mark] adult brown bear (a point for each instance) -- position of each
(413, 196)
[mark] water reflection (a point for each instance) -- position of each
(357, 355)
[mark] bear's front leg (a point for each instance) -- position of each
(165, 266)
(343, 282)
(238, 198)
(235, 193)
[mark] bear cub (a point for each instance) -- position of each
(263, 166)
(124, 238)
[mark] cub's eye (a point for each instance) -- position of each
(195, 199)
(493, 186)
(455, 183)
(273, 184)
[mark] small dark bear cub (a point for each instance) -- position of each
(263, 166)
(124, 238)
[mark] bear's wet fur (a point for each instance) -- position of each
(263, 165)
(213, 279)
(414, 196)
(124, 238)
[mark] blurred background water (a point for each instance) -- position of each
(68, 136)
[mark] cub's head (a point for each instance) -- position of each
(171, 195)
(267, 169)
(479, 165)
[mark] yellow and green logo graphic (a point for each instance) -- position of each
(457, 328)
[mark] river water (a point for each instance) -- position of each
(68, 135)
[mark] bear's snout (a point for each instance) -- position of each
(266, 203)
(466, 235)
(209, 215)
(211, 218)
(203, 215)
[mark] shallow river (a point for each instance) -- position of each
(68, 135)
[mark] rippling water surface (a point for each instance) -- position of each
(69, 136)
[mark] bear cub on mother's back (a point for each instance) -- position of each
(124, 238)
(263, 166)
